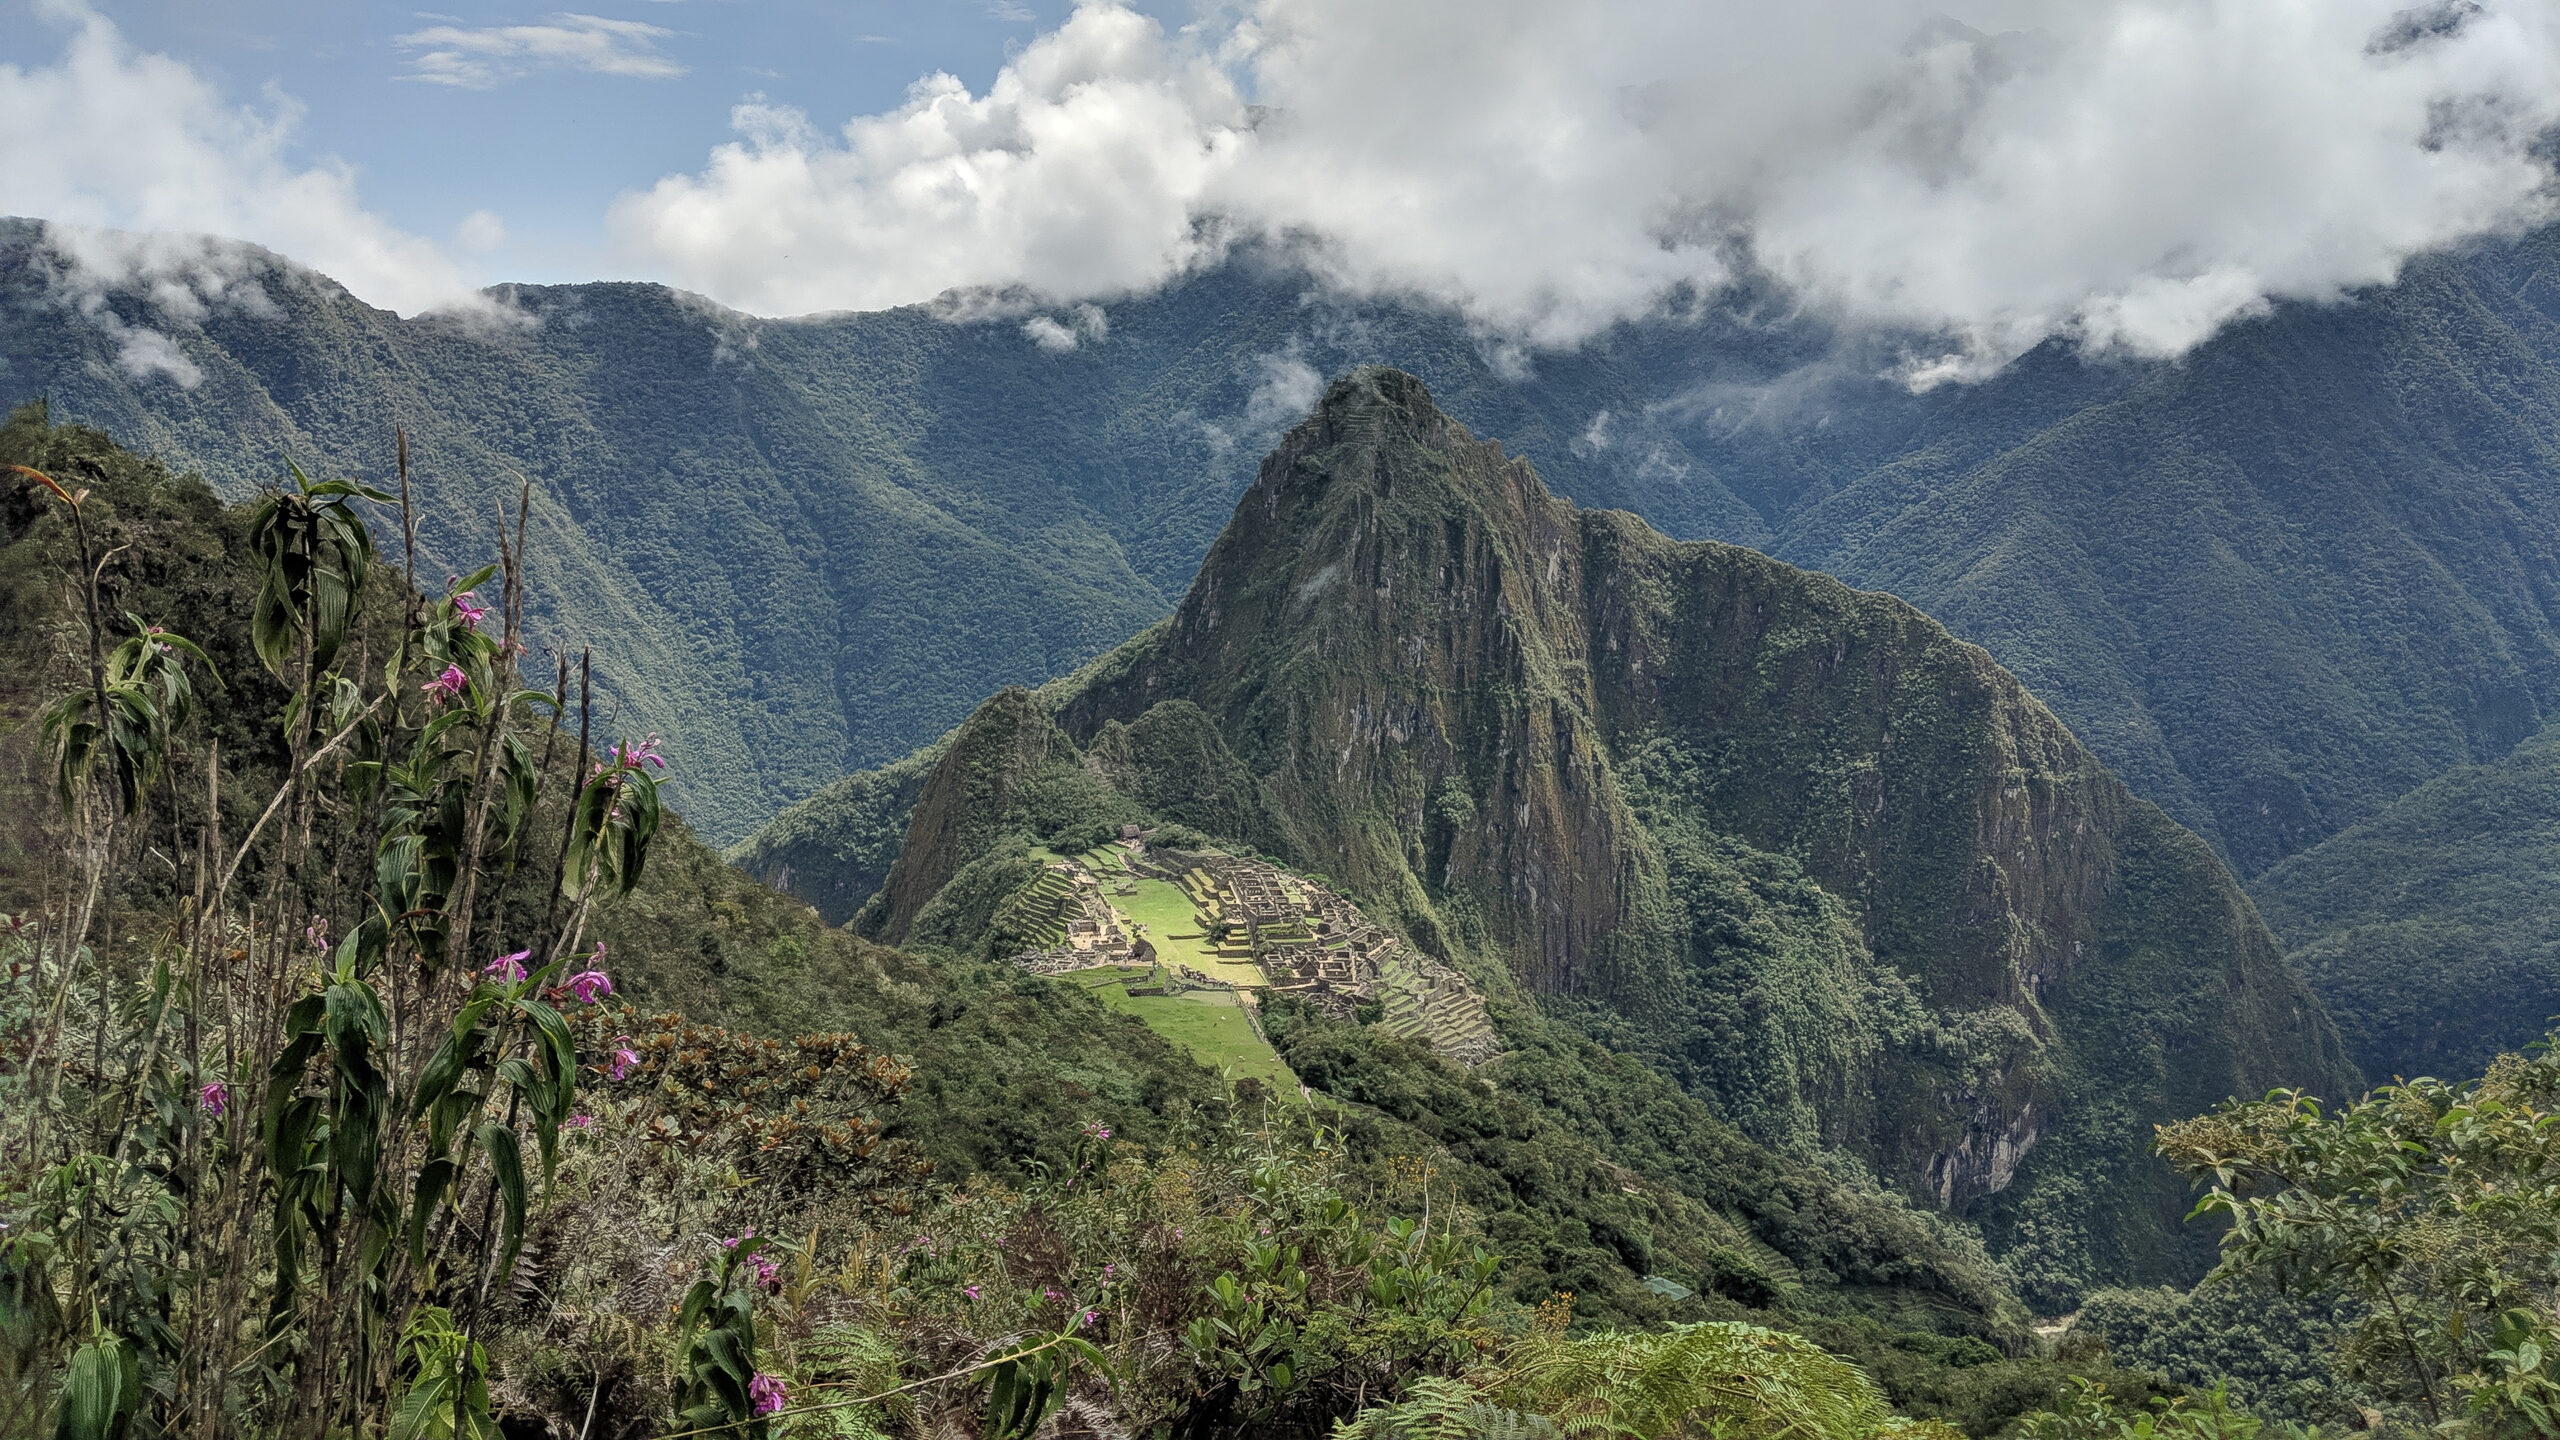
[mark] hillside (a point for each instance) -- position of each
(2430, 929)
(1611, 1178)
(1827, 867)
(2273, 585)
(823, 539)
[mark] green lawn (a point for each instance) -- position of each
(1166, 911)
(1208, 1023)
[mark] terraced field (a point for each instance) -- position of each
(1437, 1008)
(1211, 1024)
(1315, 938)
(1167, 912)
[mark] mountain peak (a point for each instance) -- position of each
(1823, 860)
(1372, 427)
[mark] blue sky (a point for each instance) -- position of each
(2127, 174)
(548, 150)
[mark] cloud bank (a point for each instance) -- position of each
(2129, 173)
(132, 158)
(478, 57)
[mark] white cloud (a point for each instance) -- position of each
(480, 232)
(1084, 322)
(111, 139)
(1079, 175)
(2132, 173)
(478, 57)
(1288, 387)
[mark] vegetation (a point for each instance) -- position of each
(2435, 1205)
(278, 1144)
(2273, 585)
(2428, 929)
(1873, 901)
(328, 1114)
(1210, 1025)
(635, 1220)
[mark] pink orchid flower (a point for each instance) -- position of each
(588, 986)
(447, 686)
(214, 1099)
(507, 968)
(767, 1392)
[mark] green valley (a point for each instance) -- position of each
(787, 1077)
(2273, 585)
(2431, 929)
(1509, 729)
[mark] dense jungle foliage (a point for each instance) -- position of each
(329, 1115)
(1819, 864)
(2429, 928)
(2273, 585)
(329, 1111)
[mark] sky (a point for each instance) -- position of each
(2130, 174)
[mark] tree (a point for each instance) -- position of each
(2438, 1203)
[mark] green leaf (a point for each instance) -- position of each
(506, 1165)
(100, 1389)
(434, 1179)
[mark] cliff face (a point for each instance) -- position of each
(1818, 859)
(965, 801)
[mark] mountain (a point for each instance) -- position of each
(1828, 867)
(2431, 929)
(1608, 1177)
(2274, 585)
(815, 543)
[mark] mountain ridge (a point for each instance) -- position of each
(1696, 800)
(827, 538)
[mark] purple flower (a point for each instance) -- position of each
(214, 1099)
(624, 1057)
(766, 1391)
(507, 968)
(1096, 1130)
(581, 1122)
(448, 685)
(1092, 1315)
(588, 986)
(317, 932)
(635, 755)
(468, 606)
(765, 1267)
(969, 1290)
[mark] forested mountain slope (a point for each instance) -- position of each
(2274, 584)
(817, 542)
(2432, 929)
(1828, 867)
(1610, 1176)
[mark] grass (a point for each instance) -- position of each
(1211, 1024)
(1161, 906)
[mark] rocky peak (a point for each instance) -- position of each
(1824, 862)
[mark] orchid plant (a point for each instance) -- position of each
(311, 1251)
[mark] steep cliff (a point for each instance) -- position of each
(1828, 866)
